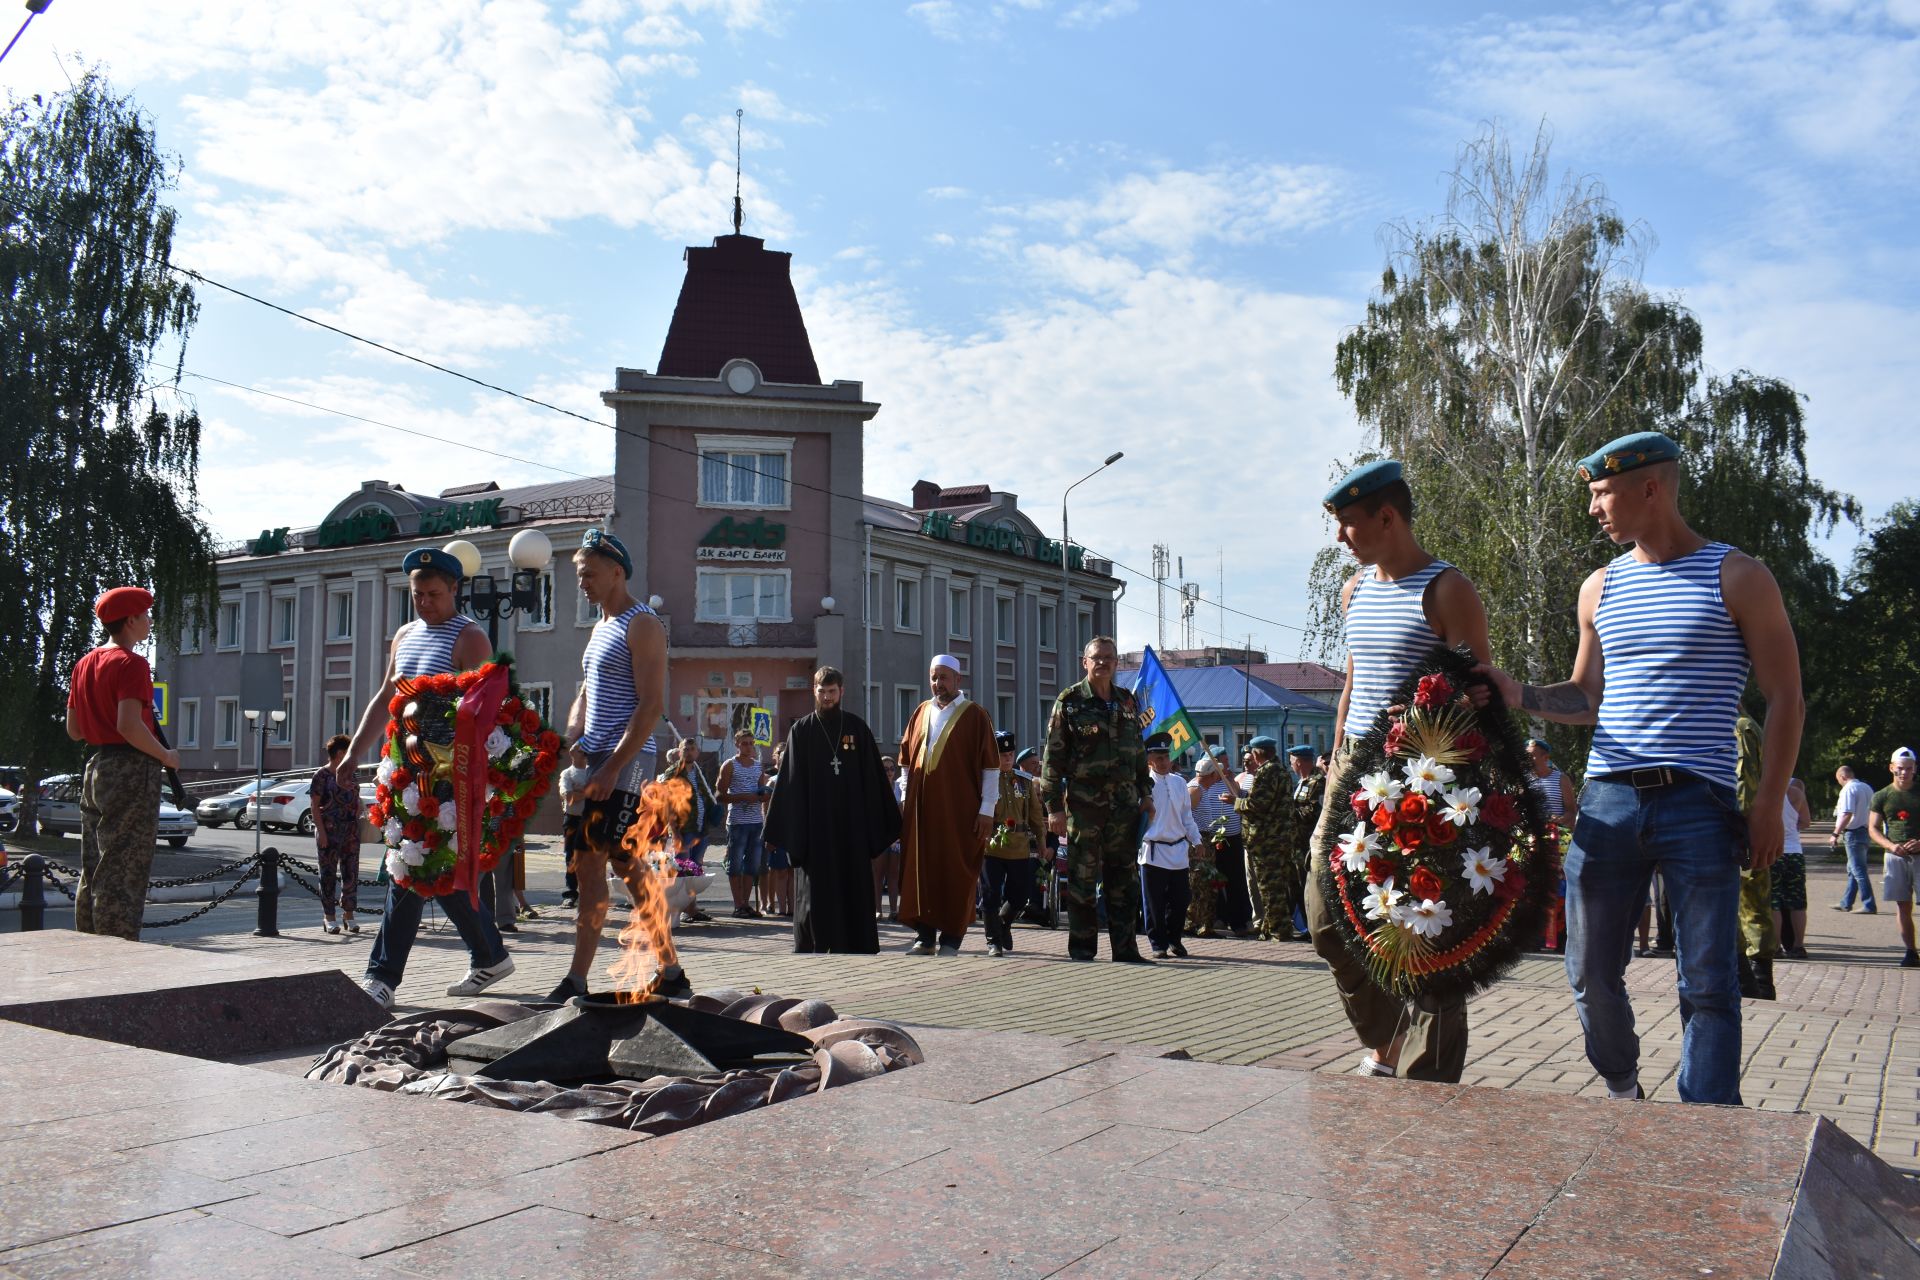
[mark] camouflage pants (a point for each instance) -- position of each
(1273, 872)
(1758, 941)
(1102, 847)
(1200, 876)
(119, 823)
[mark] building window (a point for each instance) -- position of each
(189, 724)
(1045, 721)
(540, 698)
(340, 614)
(873, 704)
(227, 629)
(1003, 619)
(1083, 631)
(906, 604)
(1003, 716)
(906, 698)
(741, 472)
(339, 714)
(226, 722)
(400, 605)
(540, 617)
(959, 617)
(743, 596)
(286, 611)
(1212, 738)
(1047, 617)
(283, 732)
(873, 598)
(190, 638)
(585, 611)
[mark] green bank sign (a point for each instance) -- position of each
(377, 524)
(1011, 542)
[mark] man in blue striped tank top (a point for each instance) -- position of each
(610, 731)
(1668, 633)
(437, 641)
(1400, 604)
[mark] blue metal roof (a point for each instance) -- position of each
(1228, 689)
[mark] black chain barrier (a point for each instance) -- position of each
(216, 901)
(54, 880)
(287, 866)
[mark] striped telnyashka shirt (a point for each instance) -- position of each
(1387, 635)
(607, 665)
(428, 651)
(1675, 665)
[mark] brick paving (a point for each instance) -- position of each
(1843, 1039)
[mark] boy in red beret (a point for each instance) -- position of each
(110, 708)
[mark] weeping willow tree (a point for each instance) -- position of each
(1510, 337)
(97, 482)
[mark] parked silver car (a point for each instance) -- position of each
(60, 815)
(228, 806)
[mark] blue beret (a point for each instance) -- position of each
(1641, 449)
(1301, 749)
(1266, 744)
(1025, 756)
(607, 545)
(1160, 742)
(1540, 743)
(1369, 477)
(436, 559)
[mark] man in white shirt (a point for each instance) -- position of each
(1850, 831)
(1164, 852)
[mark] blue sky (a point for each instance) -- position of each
(1038, 230)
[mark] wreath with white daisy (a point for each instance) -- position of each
(1439, 871)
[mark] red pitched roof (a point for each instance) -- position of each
(737, 302)
(1299, 675)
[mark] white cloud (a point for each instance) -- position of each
(1091, 13)
(1731, 82)
(1215, 390)
(943, 18)
(1173, 210)
(761, 103)
(961, 193)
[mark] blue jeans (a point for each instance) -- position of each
(1859, 882)
(746, 855)
(1692, 833)
(401, 925)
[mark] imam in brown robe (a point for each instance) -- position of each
(940, 846)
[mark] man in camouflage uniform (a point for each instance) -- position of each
(1095, 783)
(1758, 940)
(1271, 823)
(1309, 793)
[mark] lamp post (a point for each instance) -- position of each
(257, 723)
(530, 551)
(1060, 640)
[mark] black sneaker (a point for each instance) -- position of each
(569, 987)
(1911, 960)
(1180, 952)
(674, 986)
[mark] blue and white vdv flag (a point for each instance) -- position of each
(1161, 710)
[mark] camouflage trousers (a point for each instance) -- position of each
(1273, 871)
(1758, 940)
(1102, 848)
(1200, 878)
(119, 823)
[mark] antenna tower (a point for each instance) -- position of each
(738, 116)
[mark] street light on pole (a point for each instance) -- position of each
(1066, 561)
(255, 722)
(530, 551)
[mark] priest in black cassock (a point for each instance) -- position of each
(833, 811)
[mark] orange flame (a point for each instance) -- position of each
(646, 943)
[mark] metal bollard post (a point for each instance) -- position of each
(269, 925)
(33, 894)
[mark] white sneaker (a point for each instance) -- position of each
(918, 948)
(478, 980)
(328, 926)
(382, 993)
(993, 949)
(1372, 1066)
(948, 949)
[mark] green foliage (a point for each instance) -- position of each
(1867, 657)
(97, 483)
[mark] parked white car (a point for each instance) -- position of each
(283, 806)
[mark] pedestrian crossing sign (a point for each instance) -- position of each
(160, 703)
(762, 727)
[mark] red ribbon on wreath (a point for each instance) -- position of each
(479, 707)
